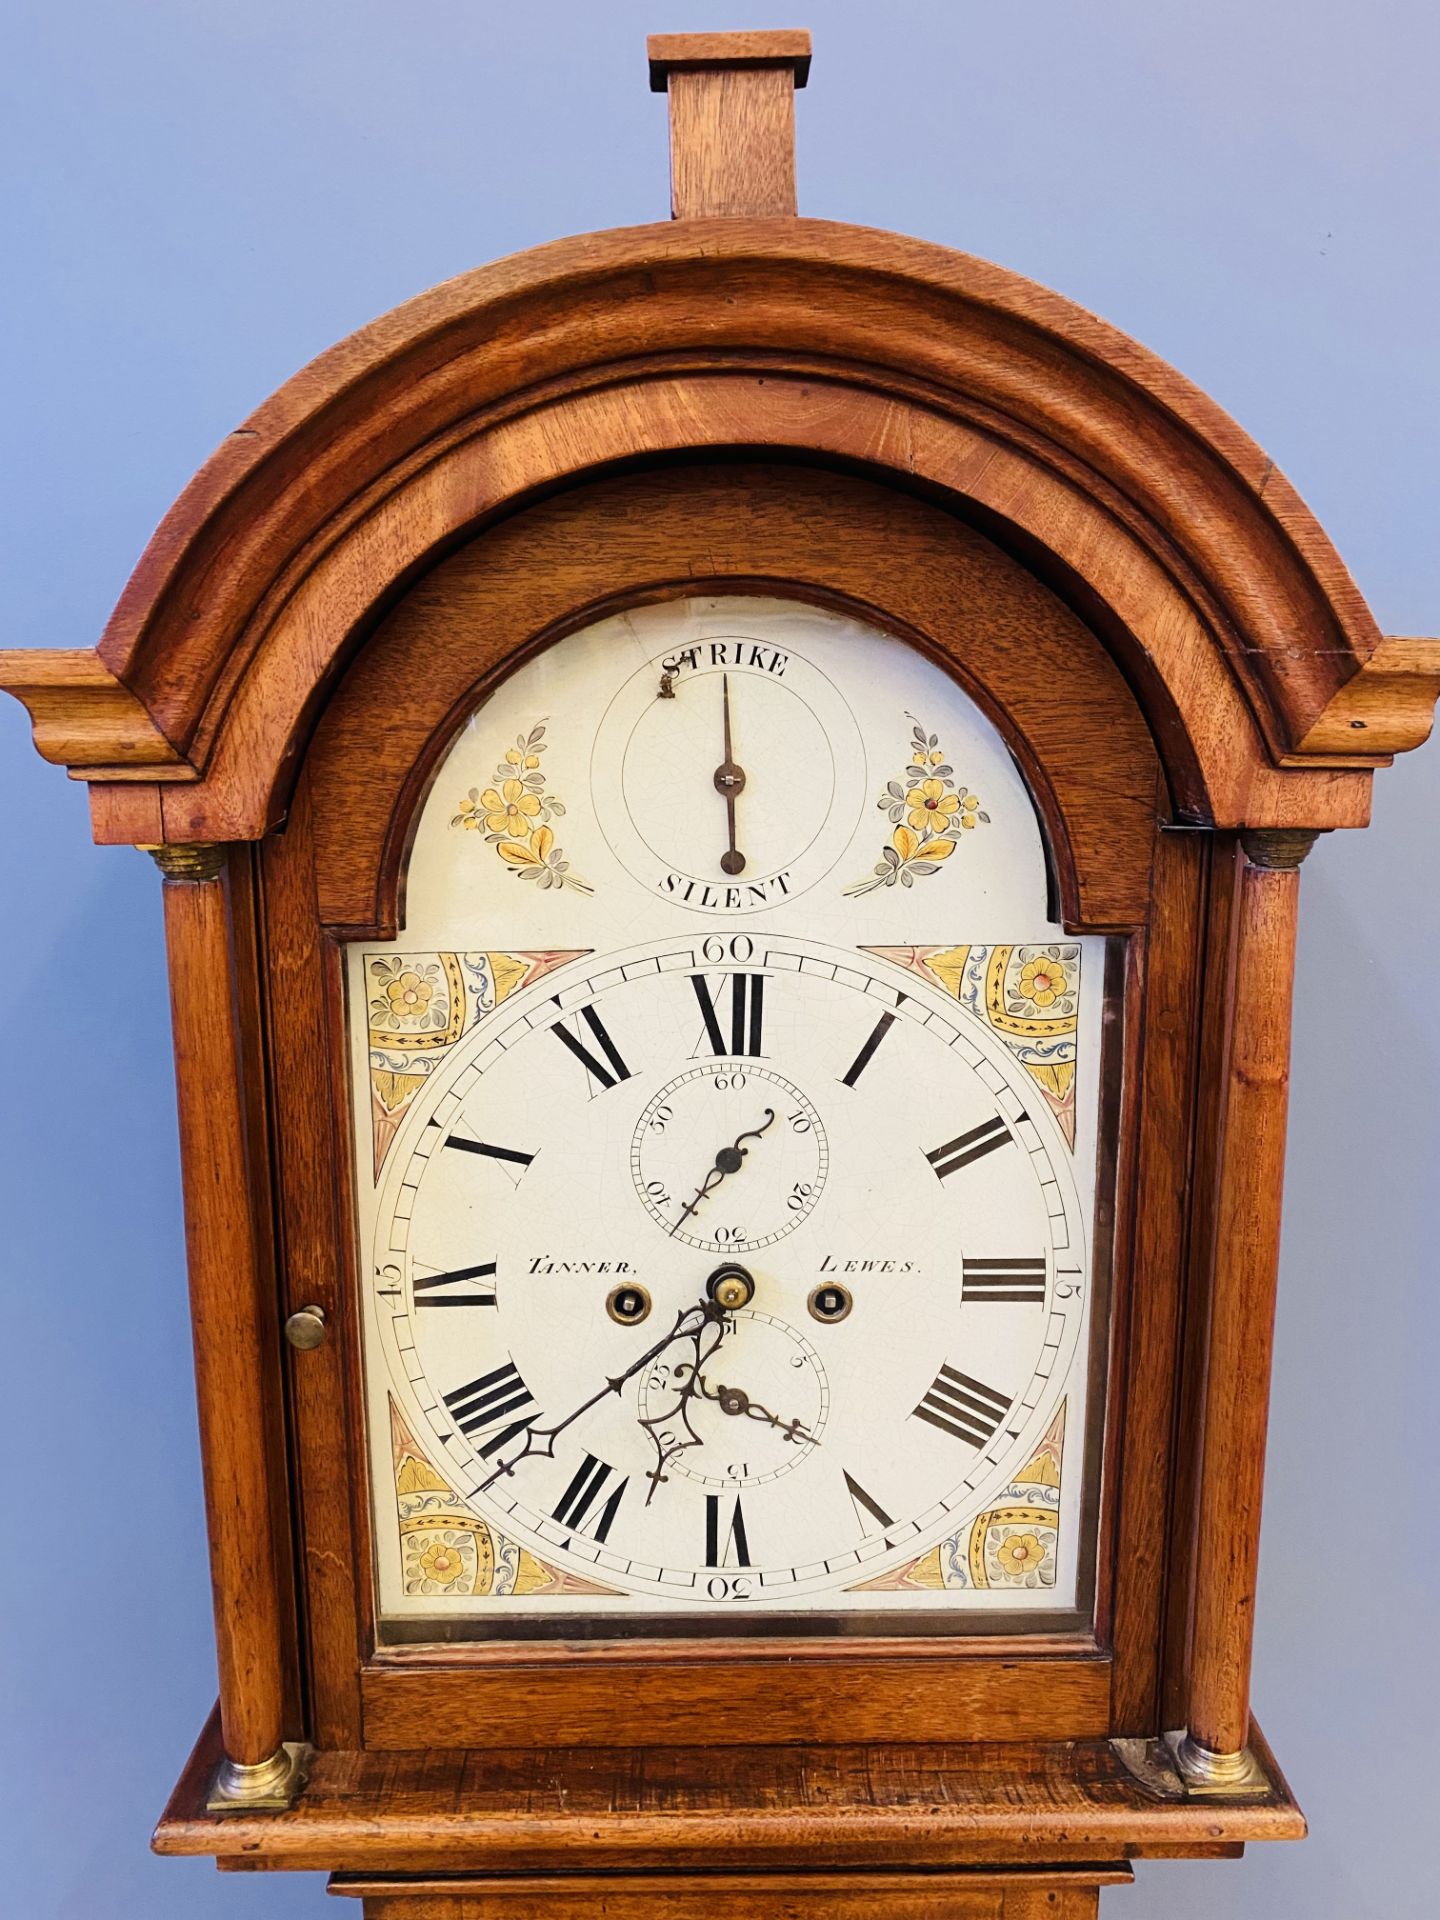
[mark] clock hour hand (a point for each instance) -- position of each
(729, 784)
(735, 1400)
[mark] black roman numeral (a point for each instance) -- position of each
(966, 1147)
(747, 1014)
(863, 1504)
(482, 1409)
(580, 1499)
(966, 1409)
(1020, 1280)
(610, 1071)
(484, 1146)
(428, 1294)
(867, 1052)
(717, 1552)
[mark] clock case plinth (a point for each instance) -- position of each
(739, 401)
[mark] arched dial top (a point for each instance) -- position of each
(726, 1131)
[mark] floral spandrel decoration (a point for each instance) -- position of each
(515, 814)
(403, 996)
(928, 812)
(1046, 982)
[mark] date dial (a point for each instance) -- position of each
(725, 1433)
(729, 1157)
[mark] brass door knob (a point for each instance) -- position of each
(306, 1328)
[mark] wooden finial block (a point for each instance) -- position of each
(732, 119)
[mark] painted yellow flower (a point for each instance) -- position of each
(442, 1564)
(526, 761)
(931, 806)
(1043, 981)
(511, 810)
(1019, 1553)
(409, 995)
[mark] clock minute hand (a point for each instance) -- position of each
(540, 1441)
(729, 784)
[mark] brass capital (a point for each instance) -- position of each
(1279, 848)
(205, 860)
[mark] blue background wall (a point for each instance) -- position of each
(198, 199)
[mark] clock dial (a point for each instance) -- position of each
(726, 1121)
(910, 1308)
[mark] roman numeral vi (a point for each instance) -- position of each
(733, 1550)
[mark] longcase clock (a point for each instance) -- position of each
(730, 797)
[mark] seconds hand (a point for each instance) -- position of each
(729, 784)
(728, 1160)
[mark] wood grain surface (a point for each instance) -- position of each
(232, 1318)
(968, 1894)
(1253, 1068)
(760, 1808)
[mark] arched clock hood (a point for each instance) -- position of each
(1269, 688)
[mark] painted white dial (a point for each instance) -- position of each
(511, 1201)
(726, 937)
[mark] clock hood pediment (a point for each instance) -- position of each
(1258, 666)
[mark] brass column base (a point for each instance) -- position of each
(1229, 1776)
(270, 1786)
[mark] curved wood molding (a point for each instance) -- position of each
(1069, 717)
(1113, 477)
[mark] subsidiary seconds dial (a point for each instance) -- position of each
(730, 1155)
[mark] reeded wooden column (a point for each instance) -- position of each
(227, 1307)
(1213, 1754)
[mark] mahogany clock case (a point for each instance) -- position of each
(739, 402)
(337, 872)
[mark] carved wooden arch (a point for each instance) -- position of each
(1258, 666)
(1068, 716)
